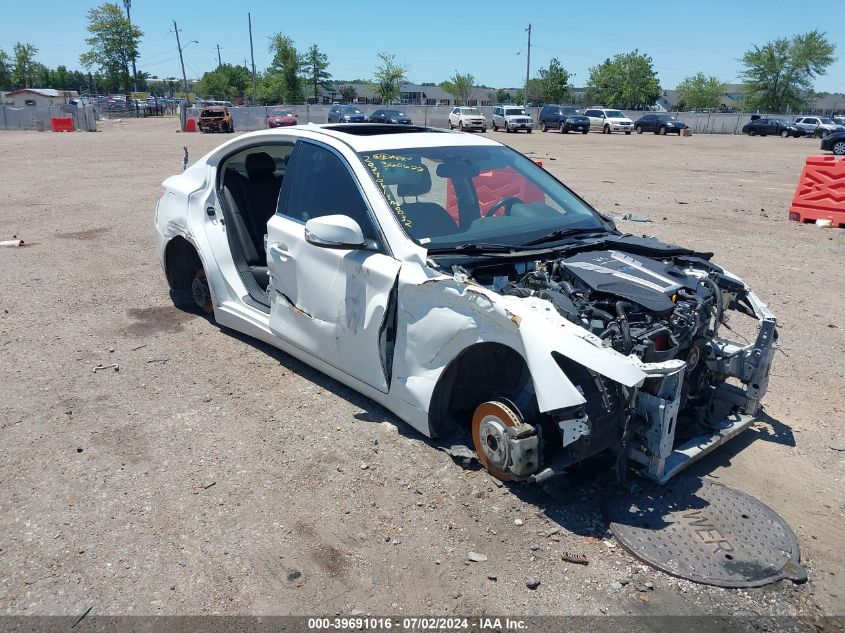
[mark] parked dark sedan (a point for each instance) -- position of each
(281, 118)
(346, 114)
(659, 124)
(764, 127)
(835, 143)
(563, 118)
(390, 116)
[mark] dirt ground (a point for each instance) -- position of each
(212, 474)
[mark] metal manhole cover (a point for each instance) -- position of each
(708, 533)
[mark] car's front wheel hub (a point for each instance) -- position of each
(506, 446)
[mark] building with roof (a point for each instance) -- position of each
(38, 97)
(410, 94)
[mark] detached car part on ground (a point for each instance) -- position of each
(215, 119)
(464, 288)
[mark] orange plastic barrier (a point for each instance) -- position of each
(820, 194)
(191, 125)
(62, 125)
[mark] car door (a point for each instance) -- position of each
(648, 123)
(330, 302)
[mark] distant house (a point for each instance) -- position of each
(733, 97)
(409, 94)
(39, 97)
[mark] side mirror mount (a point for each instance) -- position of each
(334, 231)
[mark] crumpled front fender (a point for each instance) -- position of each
(440, 316)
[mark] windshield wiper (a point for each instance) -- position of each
(558, 234)
(470, 249)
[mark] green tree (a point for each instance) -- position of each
(535, 90)
(554, 82)
(460, 86)
(779, 75)
(6, 70)
(23, 75)
(113, 44)
(389, 76)
(284, 80)
(348, 94)
(626, 81)
(701, 91)
(225, 82)
(502, 96)
(316, 66)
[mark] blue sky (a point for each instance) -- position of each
(436, 37)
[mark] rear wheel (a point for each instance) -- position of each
(784, 134)
(662, 130)
(584, 131)
(564, 129)
(201, 292)
(544, 127)
(752, 132)
(461, 126)
(639, 129)
(839, 148)
(606, 129)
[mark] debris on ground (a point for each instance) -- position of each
(532, 583)
(475, 557)
(573, 557)
(114, 366)
(12, 243)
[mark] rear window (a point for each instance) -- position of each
(212, 114)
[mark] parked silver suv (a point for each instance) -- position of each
(512, 119)
(817, 125)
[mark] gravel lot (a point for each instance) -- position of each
(231, 478)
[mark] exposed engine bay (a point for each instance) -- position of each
(665, 313)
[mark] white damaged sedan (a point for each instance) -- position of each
(459, 284)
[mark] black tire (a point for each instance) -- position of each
(752, 132)
(627, 134)
(564, 129)
(838, 148)
(825, 133)
(784, 134)
(606, 130)
(639, 129)
(543, 127)
(585, 131)
(460, 126)
(662, 130)
(530, 130)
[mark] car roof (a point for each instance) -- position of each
(373, 140)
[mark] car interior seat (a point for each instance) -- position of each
(251, 201)
(428, 219)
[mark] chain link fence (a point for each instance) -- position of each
(247, 119)
(39, 117)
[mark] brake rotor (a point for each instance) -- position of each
(707, 533)
(489, 436)
(201, 292)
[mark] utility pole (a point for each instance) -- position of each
(181, 61)
(527, 69)
(219, 61)
(128, 5)
(252, 55)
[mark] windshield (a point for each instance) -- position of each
(447, 196)
(514, 111)
(281, 113)
(470, 111)
(826, 121)
(351, 110)
(615, 114)
(569, 110)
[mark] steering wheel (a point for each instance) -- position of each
(507, 203)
